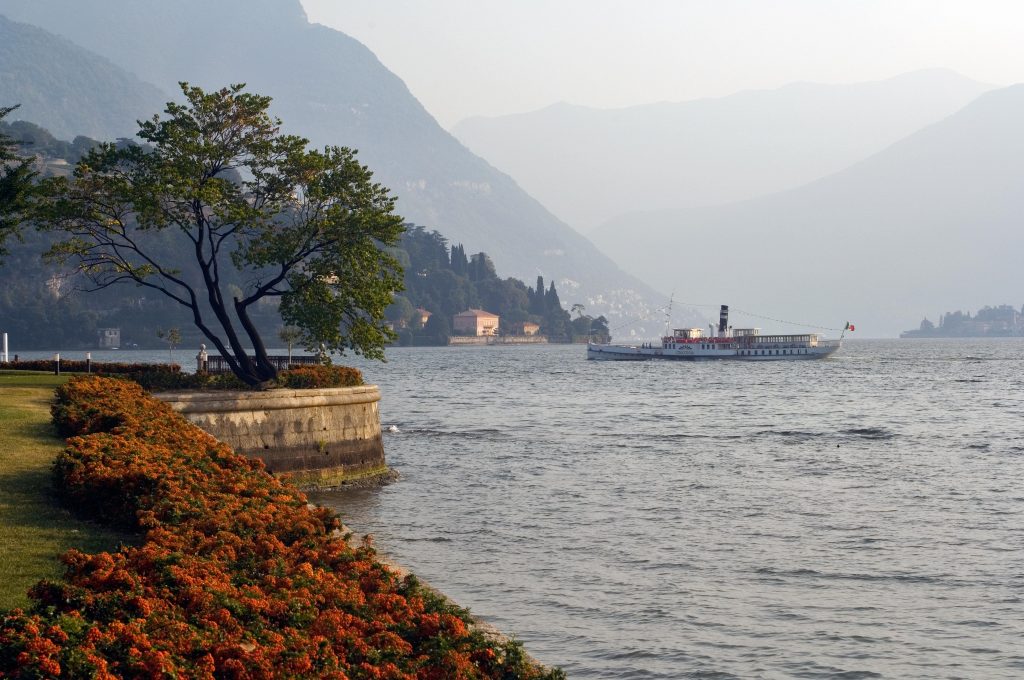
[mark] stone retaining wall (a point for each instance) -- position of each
(321, 437)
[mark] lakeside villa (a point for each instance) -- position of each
(475, 322)
(480, 327)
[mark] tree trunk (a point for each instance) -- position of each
(264, 368)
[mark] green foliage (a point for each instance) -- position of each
(172, 337)
(289, 335)
(306, 377)
(40, 142)
(16, 181)
(556, 320)
(585, 327)
(445, 282)
(304, 227)
(401, 312)
(115, 368)
(159, 380)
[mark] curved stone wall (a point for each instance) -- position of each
(320, 436)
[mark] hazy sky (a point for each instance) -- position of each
(489, 57)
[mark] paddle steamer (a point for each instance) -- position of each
(743, 344)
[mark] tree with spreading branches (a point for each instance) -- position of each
(219, 210)
(16, 181)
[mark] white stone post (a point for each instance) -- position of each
(202, 360)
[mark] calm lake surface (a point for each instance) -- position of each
(861, 516)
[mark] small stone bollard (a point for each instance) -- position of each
(202, 360)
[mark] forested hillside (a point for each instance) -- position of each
(444, 281)
(44, 307)
(332, 89)
(68, 89)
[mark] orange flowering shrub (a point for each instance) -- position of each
(234, 576)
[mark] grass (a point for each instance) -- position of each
(34, 528)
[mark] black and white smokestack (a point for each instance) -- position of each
(723, 320)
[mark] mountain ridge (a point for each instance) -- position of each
(597, 163)
(960, 180)
(77, 95)
(330, 88)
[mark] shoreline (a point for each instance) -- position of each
(491, 631)
(43, 396)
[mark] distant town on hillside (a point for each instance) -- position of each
(988, 322)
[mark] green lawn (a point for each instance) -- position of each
(34, 528)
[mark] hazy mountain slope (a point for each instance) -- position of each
(931, 223)
(589, 165)
(329, 87)
(67, 89)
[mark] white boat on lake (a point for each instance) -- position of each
(743, 344)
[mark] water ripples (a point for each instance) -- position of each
(849, 518)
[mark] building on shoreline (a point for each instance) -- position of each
(108, 338)
(524, 328)
(475, 322)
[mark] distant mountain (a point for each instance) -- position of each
(67, 89)
(332, 89)
(935, 219)
(590, 165)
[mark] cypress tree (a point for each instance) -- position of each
(537, 301)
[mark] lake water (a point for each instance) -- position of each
(861, 516)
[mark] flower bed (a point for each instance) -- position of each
(235, 575)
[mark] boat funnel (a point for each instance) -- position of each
(723, 321)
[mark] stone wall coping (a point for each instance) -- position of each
(228, 401)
